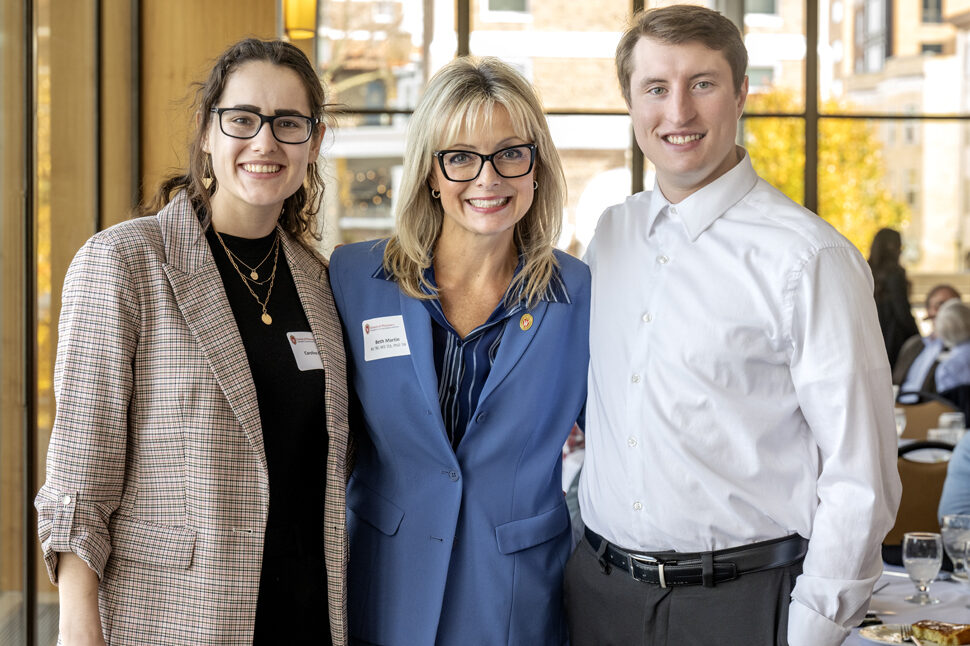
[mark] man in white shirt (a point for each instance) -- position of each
(740, 468)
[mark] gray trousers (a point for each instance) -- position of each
(613, 609)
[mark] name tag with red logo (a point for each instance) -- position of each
(384, 337)
(304, 350)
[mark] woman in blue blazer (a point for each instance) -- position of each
(467, 337)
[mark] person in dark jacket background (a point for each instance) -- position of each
(891, 291)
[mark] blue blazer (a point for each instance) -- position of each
(469, 546)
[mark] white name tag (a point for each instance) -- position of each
(304, 350)
(384, 337)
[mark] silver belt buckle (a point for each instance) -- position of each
(647, 560)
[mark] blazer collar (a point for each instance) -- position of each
(200, 294)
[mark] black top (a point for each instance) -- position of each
(292, 605)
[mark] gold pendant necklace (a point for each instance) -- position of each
(265, 317)
(253, 274)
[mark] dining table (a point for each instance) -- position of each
(890, 606)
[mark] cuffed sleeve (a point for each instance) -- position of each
(93, 378)
(842, 380)
(808, 628)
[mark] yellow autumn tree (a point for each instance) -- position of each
(853, 193)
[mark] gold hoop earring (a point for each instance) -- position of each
(435, 193)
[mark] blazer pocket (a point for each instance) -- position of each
(373, 508)
(137, 540)
(524, 533)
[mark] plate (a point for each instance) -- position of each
(885, 634)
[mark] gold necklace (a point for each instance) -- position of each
(253, 274)
(266, 318)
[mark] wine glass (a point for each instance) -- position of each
(956, 541)
(922, 555)
(900, 421)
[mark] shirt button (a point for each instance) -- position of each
(663, 259)
(635, 379)
(632, 441)
(453, 475)
(65, 499)
(647, 317)
(637, 506)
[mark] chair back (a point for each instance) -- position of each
(923, 416)
(922, 487)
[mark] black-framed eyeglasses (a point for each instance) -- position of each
(246, 124)
(465, 165)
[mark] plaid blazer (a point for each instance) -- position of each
(156, 471)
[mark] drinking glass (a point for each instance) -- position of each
(922, 555)
(900, 421)
(956, 541)
(955, 420)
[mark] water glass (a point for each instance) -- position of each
(900, 421)
(955, 420)
(922, 556)
(956, 540)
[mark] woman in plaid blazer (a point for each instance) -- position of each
(197, 465)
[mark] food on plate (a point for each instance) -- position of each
(940, 632)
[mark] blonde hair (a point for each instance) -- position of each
(464, 94)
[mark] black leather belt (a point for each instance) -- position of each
(668, 569)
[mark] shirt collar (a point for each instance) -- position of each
(555, 291)
(701, 208)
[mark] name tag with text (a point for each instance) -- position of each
(384, 337)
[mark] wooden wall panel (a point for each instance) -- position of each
(12, 337)
(180, 41)
(117, 164)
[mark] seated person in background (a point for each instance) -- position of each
(915, 366)
(955, 498)
(953, 327)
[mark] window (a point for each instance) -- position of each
(931, 48)
(760, 6)
(508, 5)
(932, 10)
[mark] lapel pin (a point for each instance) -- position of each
(525, 322)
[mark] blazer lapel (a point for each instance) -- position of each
(310, 285)
(417, 325)
(515, 341)
(200, 295)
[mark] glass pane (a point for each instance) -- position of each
(774, 34)
(12, 494)
(777, 149)
(555, 40)
(378, 55)
(909, 175)
(595, 153)
(859, 188)
(363, 166)
(874, 62)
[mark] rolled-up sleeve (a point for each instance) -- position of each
(93, 377)
(842, 379)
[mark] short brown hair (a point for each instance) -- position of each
(678, 24)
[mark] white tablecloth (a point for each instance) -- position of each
(954, 596)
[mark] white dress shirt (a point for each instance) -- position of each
(739, 390)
